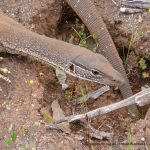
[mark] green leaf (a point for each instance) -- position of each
(142, 63)
(67, 95)
(95, 38)
(145, 75)
(14, 136)
(84, 98)
(77, 21)
(12, 139)
(48, 117)
(129, 140)
(84, 44)
(9, 142)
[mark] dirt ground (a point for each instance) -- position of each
(26, 100)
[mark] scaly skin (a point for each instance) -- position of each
(91, 17)
(74, 60)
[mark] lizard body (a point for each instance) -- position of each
(74, 60)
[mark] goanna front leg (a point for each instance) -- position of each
(61, 75)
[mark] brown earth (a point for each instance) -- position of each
(34, 86)
(39, 15)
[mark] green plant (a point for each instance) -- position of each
(6, 106)
(12, 139)
(138, 33)
(48, 117)
(81, 33)
(129, 140)
(144, 65)
(84, 98)
(141, 32)
(82, 36)
(130, 45)
(145, 75)
(67, 95)
(138, 115)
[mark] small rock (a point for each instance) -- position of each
(58, 114)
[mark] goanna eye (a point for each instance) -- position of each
(95, 72)
(114, 80)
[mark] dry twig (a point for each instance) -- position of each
(93, 95)
(143, 4)
(142, 98)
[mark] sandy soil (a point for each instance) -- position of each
(34, 86)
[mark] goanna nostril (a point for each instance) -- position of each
(114, 80)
